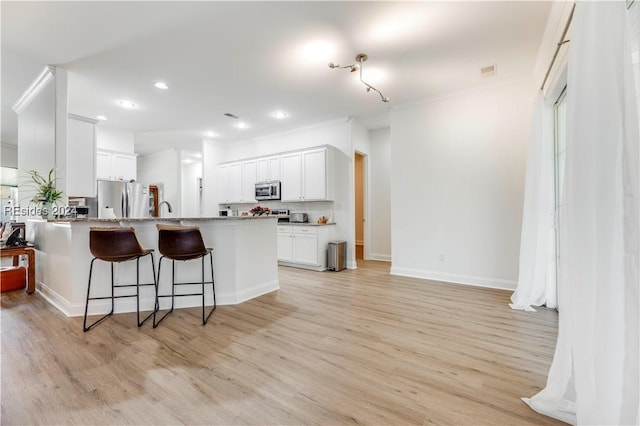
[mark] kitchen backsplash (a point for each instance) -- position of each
(314, 209)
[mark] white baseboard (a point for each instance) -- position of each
(455, 278)
(98, 307)
(380, 257)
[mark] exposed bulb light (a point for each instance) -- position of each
(279, 114)
(210, 134)
(242, 125)
(161, 85)
(101, 118)
(360, 59)
(127, 104)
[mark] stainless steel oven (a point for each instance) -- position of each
(268, 190)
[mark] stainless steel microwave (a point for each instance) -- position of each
(268, 190)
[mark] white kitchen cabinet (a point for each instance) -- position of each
(307, 175)
(291, 177)
(248, 182)
(103, 165)
(116, 165)
(124, 166)
(304, 246)
(81, 157)
(236, 182)
(229, 183)
(268, 169)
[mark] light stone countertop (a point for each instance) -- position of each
(160, 219)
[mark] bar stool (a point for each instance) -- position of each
(183, 243)
(116, 245)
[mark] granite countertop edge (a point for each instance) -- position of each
(160, 219)
(306, 223)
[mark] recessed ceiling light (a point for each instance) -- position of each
(210, 134)
(242, 125)
(127, 104)
(197, 155)
(101, 117)
(280, 114)
(161, 85)
(187, 161)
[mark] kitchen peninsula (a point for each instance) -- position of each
(244, 259)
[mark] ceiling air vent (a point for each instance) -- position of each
(228, 114)
(488, 71)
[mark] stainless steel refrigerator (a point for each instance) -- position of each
(125, 199)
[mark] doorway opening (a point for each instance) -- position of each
(360, 194)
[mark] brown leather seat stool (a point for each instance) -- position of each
(183, 243)
(116, 245)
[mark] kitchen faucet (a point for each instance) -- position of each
(168, 207)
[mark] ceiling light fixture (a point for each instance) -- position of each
(101, 117)
(161, 85)
(360, 59)
(279, 114)
(127, 104)
(242, 125)
(210, 134)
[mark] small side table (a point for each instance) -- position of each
(16, 252)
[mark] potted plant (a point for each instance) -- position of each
(46, 193)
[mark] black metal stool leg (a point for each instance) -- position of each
(138, 290)
(213, 287)
(155, 323)
(86, 306)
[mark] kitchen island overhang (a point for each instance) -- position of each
(244, 260)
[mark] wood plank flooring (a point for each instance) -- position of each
(352, 347)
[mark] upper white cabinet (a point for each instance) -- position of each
(268, 169)
(236, 182)
(116, 165)
(291, 177)
(249, 179)
(81, 155)
(307, 175)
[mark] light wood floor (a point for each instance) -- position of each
(327, 348)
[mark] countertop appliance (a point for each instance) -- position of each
(127, 199)
(298, 218)
(267, 190)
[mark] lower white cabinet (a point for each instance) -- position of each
(304, 246)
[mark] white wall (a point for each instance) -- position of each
(336, 133)
(379, 217)
(212, 154)
(163, 169)
(114, 140)
(457, 182)
(9, 155)
(36, 138)
(191, 172)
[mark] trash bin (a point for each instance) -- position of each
(337, 256)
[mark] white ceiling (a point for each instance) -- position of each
(245, 58)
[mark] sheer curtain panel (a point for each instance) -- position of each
(537, 271)
(594, 377)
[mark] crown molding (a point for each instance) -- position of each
(36, 87)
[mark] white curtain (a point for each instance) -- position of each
(537, 272)
(594, 377)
